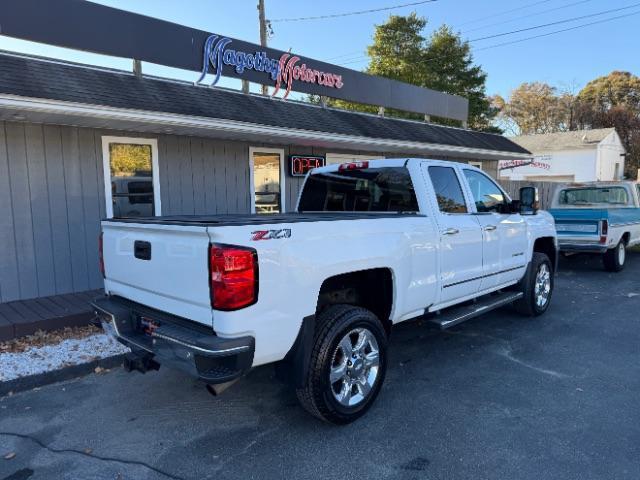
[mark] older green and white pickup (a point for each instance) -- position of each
(599, 217)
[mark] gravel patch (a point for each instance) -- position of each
(51, 338)
(75, 351)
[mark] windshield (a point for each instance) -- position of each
(361, 190)
(594, 195)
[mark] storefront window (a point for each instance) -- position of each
(129, 177)
(267, 180)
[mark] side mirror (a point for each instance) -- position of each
(528, 200)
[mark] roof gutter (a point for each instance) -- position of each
(225, 126)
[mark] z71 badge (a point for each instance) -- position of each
(271, 234)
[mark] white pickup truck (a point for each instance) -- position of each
(317, 291)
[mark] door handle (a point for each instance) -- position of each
(490, 228)
(451, 231)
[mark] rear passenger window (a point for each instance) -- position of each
(448, 190)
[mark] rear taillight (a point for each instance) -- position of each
(233, 275)
(353, 166)
(604, 231)
(101, 255)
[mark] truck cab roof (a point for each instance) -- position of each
(388, 163)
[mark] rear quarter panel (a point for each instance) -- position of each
(293, 269)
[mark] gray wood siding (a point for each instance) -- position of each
(9, 276)
(52, 199)
(22, 219)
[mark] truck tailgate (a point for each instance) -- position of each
(163, 266)
(578, 222)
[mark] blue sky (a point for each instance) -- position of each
(567, 60)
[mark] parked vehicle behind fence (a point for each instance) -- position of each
(598, 218)
(317, 291)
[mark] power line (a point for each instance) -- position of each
(504, 12)
(356, 60)
(347, 14)
(349, 54)
(559, 22)
(536, 14)
(345, 55)
(520, 40)
(558, 31)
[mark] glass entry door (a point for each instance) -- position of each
(267, 180)
(131, 180)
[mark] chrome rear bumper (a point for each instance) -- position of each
(175, 341)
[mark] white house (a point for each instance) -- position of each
(579, 156)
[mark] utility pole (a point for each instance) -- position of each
(137, 68)
(263, 35)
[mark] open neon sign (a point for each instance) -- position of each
(303, 164)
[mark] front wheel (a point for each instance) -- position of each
(537, 286)
(614, 258)
(348, 365)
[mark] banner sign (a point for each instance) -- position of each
(536, 162)
(91, 27)
(300, 165)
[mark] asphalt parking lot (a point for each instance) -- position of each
(499, 397)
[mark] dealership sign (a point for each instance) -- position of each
(283, 71)
(92, 27)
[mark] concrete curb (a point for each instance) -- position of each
(30, 382)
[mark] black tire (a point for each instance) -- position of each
(614, 258)
(528, 304)
(317, 394)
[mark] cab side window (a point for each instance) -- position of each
(448, 190)
(486, 194)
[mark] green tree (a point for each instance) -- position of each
(442, 62)
(450, 68)
(398, 50)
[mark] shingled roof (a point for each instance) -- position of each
(574, 140)
(55, 80)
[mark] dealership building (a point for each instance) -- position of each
(80, 143)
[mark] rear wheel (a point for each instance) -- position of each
(537, 286)
(348, 365)
(614, 258)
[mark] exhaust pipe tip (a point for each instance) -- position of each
(217, 389)
(139, 363)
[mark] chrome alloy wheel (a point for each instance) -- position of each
(543, 285)
(354, 367)
(622, 253)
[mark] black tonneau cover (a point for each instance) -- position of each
(254, 219)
